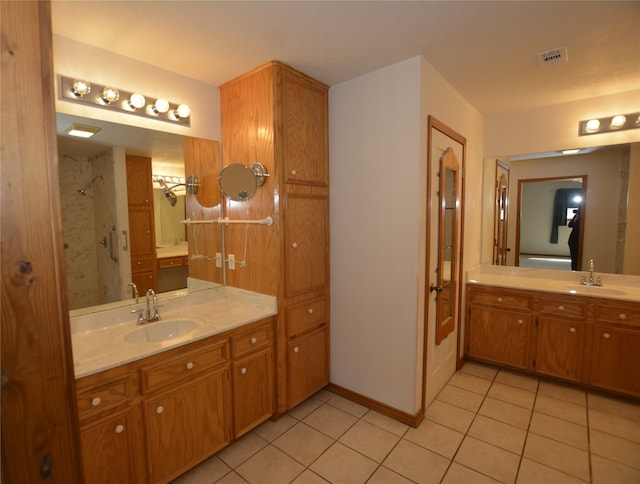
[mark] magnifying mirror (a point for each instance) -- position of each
(239, 182)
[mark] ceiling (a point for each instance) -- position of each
(485, 49)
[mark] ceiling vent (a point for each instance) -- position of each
(552, 56)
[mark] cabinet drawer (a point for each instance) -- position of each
(621, 314)
(98, 398)
(502, 299)
(182, 366)
(563, 308)
(171, 262)
(306, 316)
(251, 341)
(142, 264)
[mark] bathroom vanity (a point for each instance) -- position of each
(549, 324)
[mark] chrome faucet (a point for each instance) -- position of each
(591, 281)
(147, 317)
(136, 294)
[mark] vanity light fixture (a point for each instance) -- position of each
(81, 130)
(109, 97)
(608, 124)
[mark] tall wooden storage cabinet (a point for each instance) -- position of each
(278, 117)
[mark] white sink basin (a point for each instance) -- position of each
(591, 290)
(162, 331)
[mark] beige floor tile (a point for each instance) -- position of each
(561, 409)
(382, 475)
(348, 406)
(416, 463)
(460, 398)
(303, 409)
(271, 430)
(330, 421)
(209, 471)
(241, 450)
(270, 466)
(309, 477)
(607, 472)
(324, 395)
(342, 464)
(506, 412)
(614, 405)
(513, 395)
(533, 473)
(303, 443)
(497, 433)
(231, 478)
(369, 440)
(435, 437)
(613, 424)
(560, 430)
(469, 382)
(488, 459)
(458, 474)
(455, 418)
(614, 448)
(562, 391)
(386, 423)
(519, 380)
(557, 455)
(480, 369)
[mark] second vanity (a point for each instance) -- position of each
(156, 399)
(548, 323)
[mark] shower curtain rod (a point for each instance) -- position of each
(226, 221)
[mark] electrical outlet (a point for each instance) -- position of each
(218, 259)
(232, 262)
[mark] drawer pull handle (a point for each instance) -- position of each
(606, 336)
(499, 299)
(296, 349)
(294, 172)
(294, 245)
(159, 409)
(253, 341)
(310, 310)
(189, 366)
(561, 308)
(96, 401)
(622, 316)
(572, 330)
(119, 429)
(243, 371)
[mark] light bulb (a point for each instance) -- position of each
(80, 88)
(136, 101)
(110, 94)
(161, 106)
(182, 111)
(593, 125)
(618, 121)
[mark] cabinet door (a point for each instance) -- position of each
(141, 230)
(307, 244)
(499, 336)
(308, 365)
(111, 451)
(614, 362)
(187, 425)
(305, 139)
(253, 392)
(559, 348)
(139, 184)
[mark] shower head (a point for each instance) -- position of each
(173, 199)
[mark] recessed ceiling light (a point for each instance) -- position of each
(81, 130)
(570, 152)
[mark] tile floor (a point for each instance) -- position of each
(487, 425)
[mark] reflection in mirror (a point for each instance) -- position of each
(93, 195)
(501, 214)
(239, 182)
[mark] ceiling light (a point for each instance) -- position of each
(81, 130)
(136, 101)
(80, 88)
(570, 152)
(618, 121)
(110, 94)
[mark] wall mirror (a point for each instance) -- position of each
(239, 182)
(604, 211)
(93, 195)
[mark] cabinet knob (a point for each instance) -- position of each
(296, 349)
(499, 299)
(572, 330)
(310, 310)
(119, 429)
(96, 401)
(159, 409)
(622, 316)
(294, 172)
(520, 321)
(294, 245)
(606, 336)
(253, 341)
(189, 366)
(243, 371)
(560, 308)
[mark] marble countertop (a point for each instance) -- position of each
(99, 342)
(614, 286)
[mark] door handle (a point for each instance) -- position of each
(435, 288)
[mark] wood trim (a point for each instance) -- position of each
(39, 412)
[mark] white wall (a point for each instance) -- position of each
(74, 59)
(378, 146)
